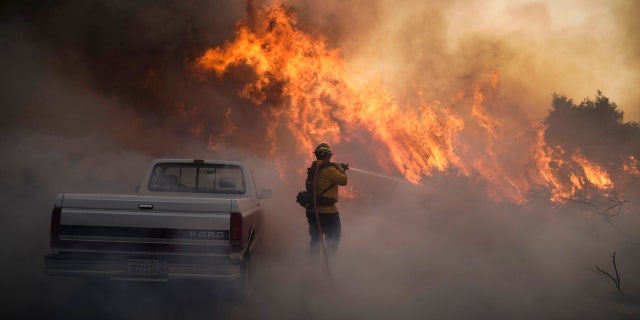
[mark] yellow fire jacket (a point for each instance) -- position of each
(328, 176)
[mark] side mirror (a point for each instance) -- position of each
(265, 194)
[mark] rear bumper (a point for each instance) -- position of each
(154, 267)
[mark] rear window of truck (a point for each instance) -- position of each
(190, 177)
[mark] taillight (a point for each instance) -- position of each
(235, 233)
(55, 222)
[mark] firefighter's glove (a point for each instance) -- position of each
(343, 166)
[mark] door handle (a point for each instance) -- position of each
(145, 206)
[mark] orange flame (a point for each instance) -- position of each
(593, 173)
(321, 99)
(546, 164)
(581, 174)
(632, 166)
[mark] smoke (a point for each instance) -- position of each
(537, 47)
(92, 91)
(448, 253)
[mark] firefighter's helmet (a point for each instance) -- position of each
(322, 149)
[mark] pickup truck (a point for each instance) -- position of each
(190, 219)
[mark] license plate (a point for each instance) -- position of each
(143, 267)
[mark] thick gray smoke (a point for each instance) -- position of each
(93, 90)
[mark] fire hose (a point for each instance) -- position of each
(320, 233)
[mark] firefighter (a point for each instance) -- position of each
(329, 177)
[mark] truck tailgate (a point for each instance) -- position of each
(144, 223)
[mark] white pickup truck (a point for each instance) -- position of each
(190, 219)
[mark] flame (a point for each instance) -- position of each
(594, 173)
(632, 166)
(567, 177)
(319, 98)
(278, 52)
(323, 98)
(546, 164)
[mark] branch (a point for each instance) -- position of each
(618, 204)
(583, 202)
(615, 280)
(604, 213)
